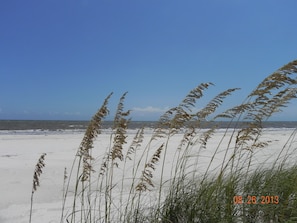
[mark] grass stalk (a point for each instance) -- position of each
(36, 181)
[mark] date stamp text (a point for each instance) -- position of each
(251, 199)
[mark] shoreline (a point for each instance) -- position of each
(82, 125)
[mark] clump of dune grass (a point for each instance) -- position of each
(208, 198)
(268, 195)
(275, 191)
(36, 183)
(189, 195)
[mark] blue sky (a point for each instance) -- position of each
(59, 59)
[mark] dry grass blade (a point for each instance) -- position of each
(235, 111)
(90, 135)
(104, 164)
(277, 80)
(206, 136)
(182, 114)
(188, 136)
(147, 173)
(94, 127)
(38, 171)
(211, 107)
(120, 113)
(196, 93)
(120, 126)
(137, 140)
(281, 99)
(273, 93)
(175, 118)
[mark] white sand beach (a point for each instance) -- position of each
(20, 151)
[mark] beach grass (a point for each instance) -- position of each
(36, 182)
(131, 184)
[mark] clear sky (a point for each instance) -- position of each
(59, 59)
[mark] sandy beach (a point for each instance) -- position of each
(20, 150)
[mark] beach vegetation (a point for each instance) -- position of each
(36, 181)
(130, 182)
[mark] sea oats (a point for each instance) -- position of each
(211, 107)
(136, 143)
(192, 197)
(90, 135)
(120, 127)
(37, 172)
(147, 173)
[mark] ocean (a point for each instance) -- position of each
(45, 125)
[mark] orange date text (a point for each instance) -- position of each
(251, 199)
